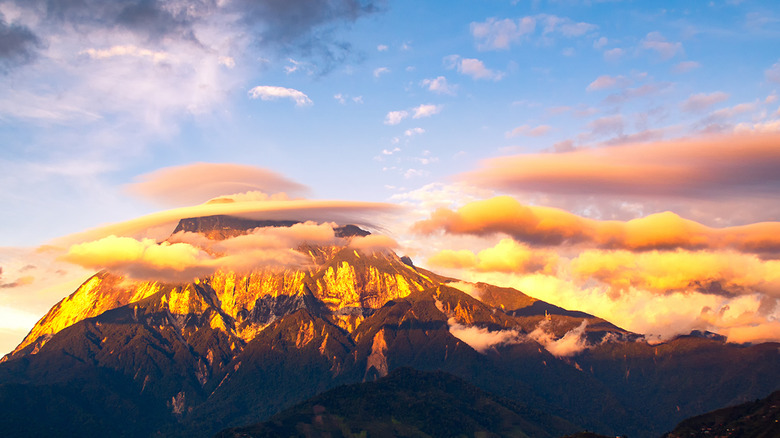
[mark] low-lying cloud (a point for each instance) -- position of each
(186, 256)
(481, 339)
(547, 226)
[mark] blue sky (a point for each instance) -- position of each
(388, 101)
(76, 128)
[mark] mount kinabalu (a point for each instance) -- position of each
(130, 358)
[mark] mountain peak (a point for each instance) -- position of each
(221, 227)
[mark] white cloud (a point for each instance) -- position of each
(390, 151)
(426, 110)
(414, 131)
(471, 67)
(380, 71)
(600, 43)
(126, 50)
(482, 339)
(702, 101)
(606, 81)
(656, 42)
(477, 70)
(614, 54)
(495, 34)
(438, 85)
(526, 130)
(686, 66)
(382, 48)
(267, 92)
(773, 73)
(395, 117)
(500, 34)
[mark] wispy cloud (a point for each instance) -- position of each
(495, 34)
(656, 42)
(268, 92)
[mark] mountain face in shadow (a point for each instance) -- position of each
(133, 358)
(756, 419)
(408, 403)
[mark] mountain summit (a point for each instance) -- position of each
(135, 358)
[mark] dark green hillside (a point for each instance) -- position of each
(756, 419)
(408, 403)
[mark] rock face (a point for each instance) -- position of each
(129, 358)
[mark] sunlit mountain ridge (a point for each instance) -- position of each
(132, 357)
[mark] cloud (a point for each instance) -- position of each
(702, 101)
(373, 243)
(526, 130)
(301, 27)
(614, 54)
(438, 85)
(414, 131)
(506, 256)
(198, 182)
(636, 92)
(656, 42)
(547, 226)
(773, 73)
(382, 48)
(716, 167)
(189, 255)
(395, 117)
(495, 34)
(607, 125)
(570, 344)
(380, 71)
(686, 66)
(606, 81)
(749, 317)
(160, 225)
(726, 273)
(472, 67)
(126, 50)
(267, 92)
(426, 110)
(18, 44)
(477, 70)
(481, 339)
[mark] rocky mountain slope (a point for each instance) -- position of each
(134, 358)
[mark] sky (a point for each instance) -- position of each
(615, 157)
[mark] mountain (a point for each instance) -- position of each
(407, 403)
(756, 419)
(140, 358)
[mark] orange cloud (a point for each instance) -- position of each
(506, 256)
(707, 167)
(752, 317)
(198, 182)
(190, 255)
(721, 273)
(373, 242)
(551, 226)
